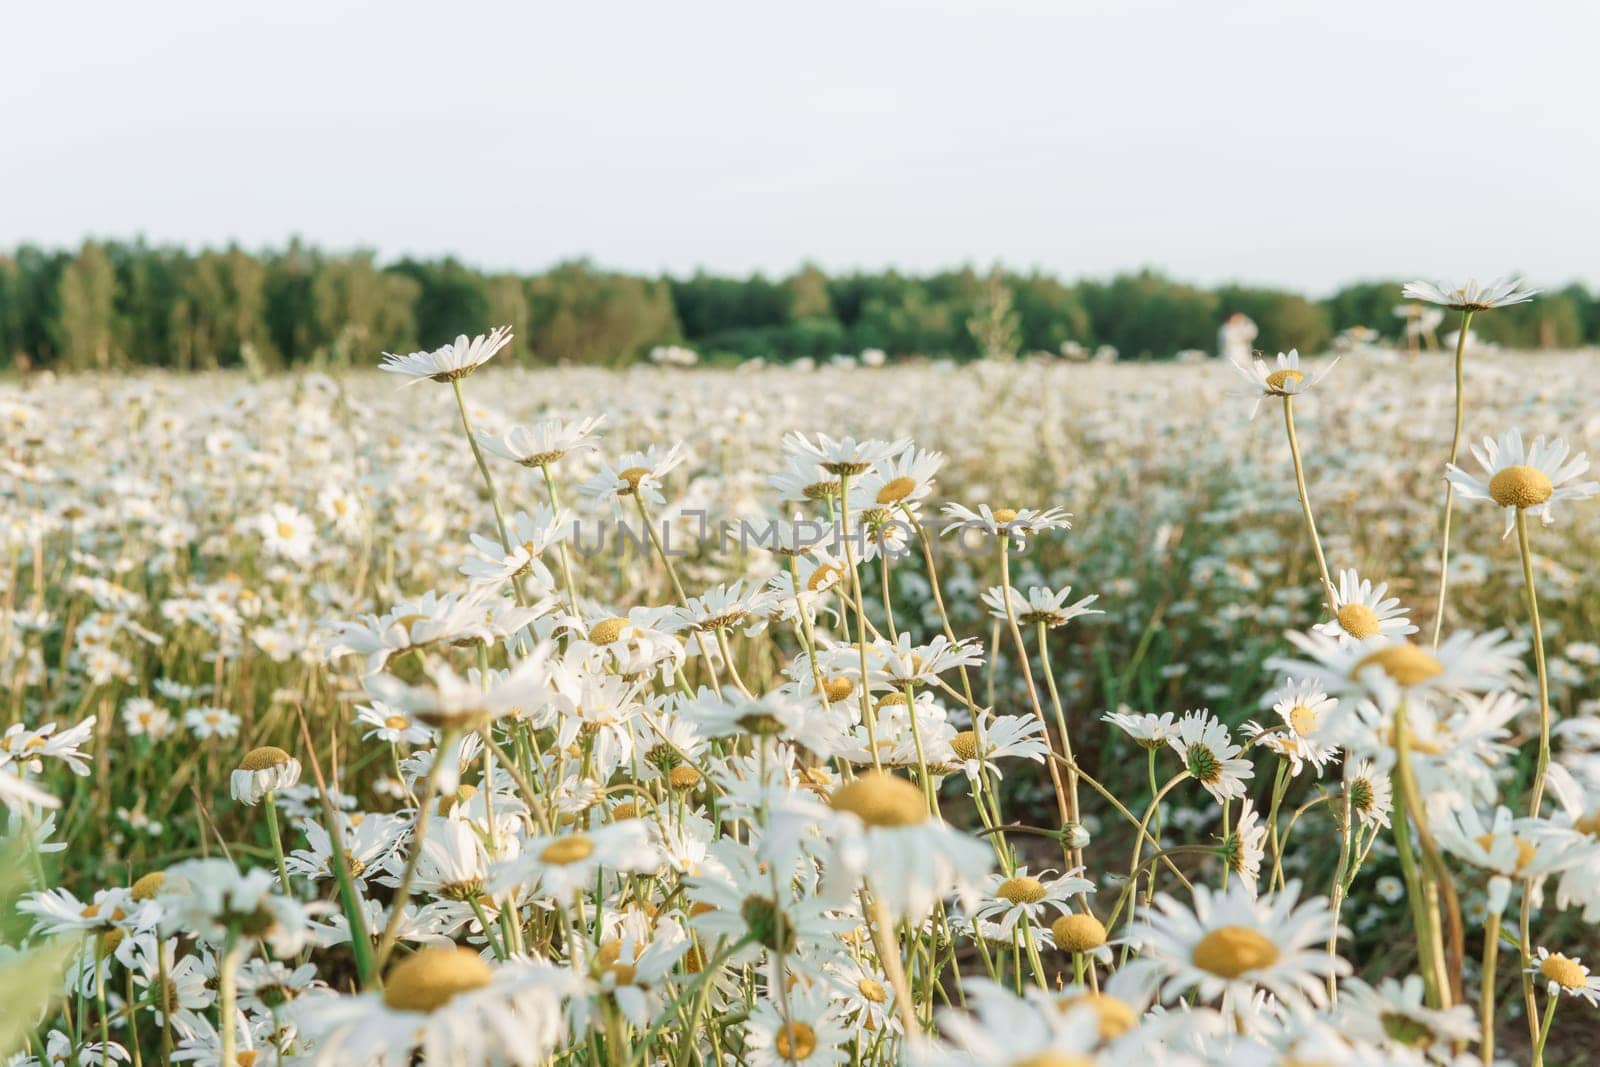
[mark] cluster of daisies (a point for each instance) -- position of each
(498, 790)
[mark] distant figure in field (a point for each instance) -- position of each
(1236, 339)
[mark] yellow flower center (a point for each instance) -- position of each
(285, 530)
(1302, 720)
(824, 577)
(1004, 515)
(606, 631)
(794, 1041)
(889, 700)
(1520, 487)
(245, 1057)
(1588, 824)
(1116, 1017)
(633, 476)
(871, 990)
(882, 800)
(428, 980)
(836, 689)
(896, 490)
(1078, 933)
(1525, 849)
(147, 887)
(565, 850)
(1279, 379)
(1021, 890)
(626, 810)
(683, 776)
(1405, 663)
(1358, 620)
(397, 722)
(965, 745)
(1563, 971)
(1230, 951)
(1053, 1059)
(260, 759)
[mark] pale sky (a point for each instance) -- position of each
(1278, 142)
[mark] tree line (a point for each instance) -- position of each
(116, 304)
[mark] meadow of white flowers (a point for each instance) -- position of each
(1015, 714)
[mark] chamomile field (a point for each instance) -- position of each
(1013, 713)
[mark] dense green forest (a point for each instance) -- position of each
(121, 304)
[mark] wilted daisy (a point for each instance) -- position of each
(449, 362)
(1518, 478)
(1210, 756)
(447, 1005)
(263, 770)
(1470, 296)
(1565, 975)
(1361, 611)
(1232, 944)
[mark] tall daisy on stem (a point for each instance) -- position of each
(1521, 479)
(1467, 299)
(1286, 382)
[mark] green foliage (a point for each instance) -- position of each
(115, 304)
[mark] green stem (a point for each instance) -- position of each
(1538, 660)
(1449, 486)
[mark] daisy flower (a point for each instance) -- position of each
(802, 1029)
(1007, 901)
(212, 900)
(447, 1005)
(1471, 296)
(391, 725)
(1504, 848)
(1387, 670)
(635, 474)
(882, 832)
(1002, 737)
(901, 481)
(287, 532)
(263, 770)
(1518, 478)
(494, 564)
(1371, 796)
(1210, 756)
(1151, 732)
(449, 362)
(1304, 736)
(1245, 846)
(1039, 606)
(1005, 1030)
(1015, 523)
(1565, 974)
(545, 442)
(804, 481)
(565, 863)
(1233, 944)
(1393, 1015)
(844, 456)
(1361, 611)
(1286, 379)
